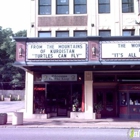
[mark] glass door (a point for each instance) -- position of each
(107, 97)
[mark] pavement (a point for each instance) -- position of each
(63, 122)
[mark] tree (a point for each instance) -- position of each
(10, 76)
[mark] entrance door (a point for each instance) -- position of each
(57, 99)
(108, 98)
(62, 101)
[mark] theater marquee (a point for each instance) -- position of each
(55, 51)
(120, 50)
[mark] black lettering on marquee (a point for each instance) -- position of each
(132, 55)
(42, 51)
(36, 47)
(43, 55)
(135, 45)
(62, 55)
(117, 55)
(121, 45)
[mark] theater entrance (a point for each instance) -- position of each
(58, 99)
(108, 98)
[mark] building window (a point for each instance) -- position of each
(62, 34)
(128, 32)
(80, 33)
(44, 7)
(127, 6)
(62, 7)
(104, 6)
(80, 6)
(104, 33)
(44, 34)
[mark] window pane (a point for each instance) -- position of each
(128, 32)
(62, 2)
(80, 33)
(45, 10)
(104, 1)
(126, 8)
(80, 2)
(104, 8)
(45, 2)
(62, 34)
(105, 33)
(62, 9)
(127, 1)
(44, 34)
(80, 9)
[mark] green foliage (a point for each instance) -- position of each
(13, 76)
(98, 107)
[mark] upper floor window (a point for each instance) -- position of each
(104, 33)
(128, 32)
(44, 7)
(80, 6)
(44, 34)
(62, 7)
(127, 6)
(104, 6)
(80, 33)
(62, 33)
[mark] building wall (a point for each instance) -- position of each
(13, 93)
(116, 21)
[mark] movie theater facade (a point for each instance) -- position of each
(81, 78)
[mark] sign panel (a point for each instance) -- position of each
(56, 51)
(59, 77)
(121, 50)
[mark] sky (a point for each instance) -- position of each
(14, 14)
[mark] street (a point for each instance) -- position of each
(63, 134)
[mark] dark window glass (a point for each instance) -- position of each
(62, 7)
(134, 98)
(104, 6)
(80, 33)
(80, 7)
(128, 32)
(44, 7)
(44, 34)
(104, 33)
(62, 34)
(127, 6)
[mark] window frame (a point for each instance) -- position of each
(43, 5)
(102, 4)
(61, 5)
(130, 8)
(79, 4)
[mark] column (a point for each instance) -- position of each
(88, 84)
(29, 94)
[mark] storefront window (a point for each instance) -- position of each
(77, 97)
(39, 99)
(123, 100)
(134, 99)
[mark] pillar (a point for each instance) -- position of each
(88, 84)
(29, 94)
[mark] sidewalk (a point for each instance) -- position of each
(69, 123)
(61, 122)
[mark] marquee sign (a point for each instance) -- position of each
(59, 77)
(53, 51)
(120, 50)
